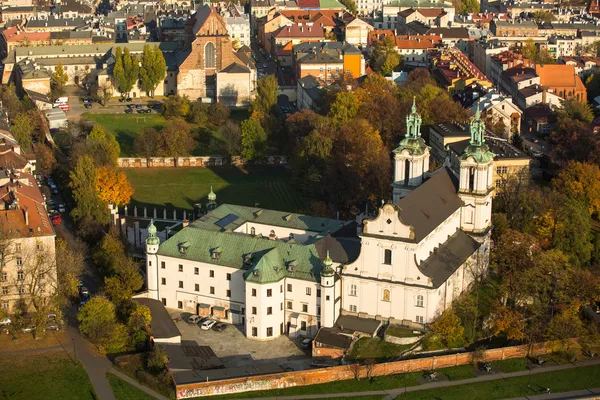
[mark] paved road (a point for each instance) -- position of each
(393, 393)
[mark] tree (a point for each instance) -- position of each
(266, 95)
(58, 80)
(232, 138)
(84, 180)
(45, 160)
(254, 139)
(176, 106)
(22, 128)
(69, 266)
(507, 321)
(580, 181)
(126, 280)
(576, 110)
(350, 5)
(105, 91)
(345, 107)
(198, 113)
(469, 6)
(109, 253)
(448, 326)
(113, 186)
(533, 53)
(158, 359)
(218, 113)
(131, 69)
(566, 324)
(147, 143)
(99, 323)
(176, 139)
(543, 16)
(10, 100)
(574, 140)
(384, 57)
(119, 71)
(103, 147)
(153, 69)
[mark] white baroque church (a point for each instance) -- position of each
(277, 273)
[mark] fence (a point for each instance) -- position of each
(325, 375)
(212, 161)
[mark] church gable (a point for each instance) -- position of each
(389, 223)
(209, 23)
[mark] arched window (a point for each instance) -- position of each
(386, 295)
(406, 172)
(210, 56)
(352, 290)
(471, 179)
(253, 231)
(387, 257)
(419, 300)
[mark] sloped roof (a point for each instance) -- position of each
(426, 207)
(297, 30)
(236, 68)
(558, 75)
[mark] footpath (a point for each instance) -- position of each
(391, 394)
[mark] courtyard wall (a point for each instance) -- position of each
(204, 161)
(345, 372)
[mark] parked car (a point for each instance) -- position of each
(128, 111)
(56, 220)
(54, 190)
(53, 326)
(5, 321)
(83, 291)
(61, 208)
(194, 319)
(306, 343)
(28, 327)
(219, 327)
(206, 325)
(128, 99)
(87, 105)
(138, 106)
(50, 203)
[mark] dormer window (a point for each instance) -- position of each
(183, 247)
(216, 253)
(253, 231)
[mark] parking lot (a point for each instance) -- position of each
(235, 350)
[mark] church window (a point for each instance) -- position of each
(308, 291)
(269, 332)
(269, 292)
(352, 290)
(419, 300)
(162, 264)
(471, 179)
(163, 281)
(269, 310)
(210, 56)
(406, 171)
(253, 231)
(290, 305)
(387, 258)
(386, 295)
(254, 331)
(419, 319)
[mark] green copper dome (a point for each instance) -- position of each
(212, 196)
(477, 148)
(327, 266)
(413, 142)
(152, 239)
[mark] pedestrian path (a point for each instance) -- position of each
(138, 385)
(393, 393)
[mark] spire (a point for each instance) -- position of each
(414, 106)
(212, 196)
(152, 239)
(477, 129)
(413, 122)
(327, 266)
(477, 148)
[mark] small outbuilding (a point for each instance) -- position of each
(163, 328)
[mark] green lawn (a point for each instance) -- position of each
(401, 332)
(352, 385)
(125, 127)
(557, 381)
(125, 391)
(52, 376)
(510, 365)
(182, 187)
(380, 350)
(459, 372)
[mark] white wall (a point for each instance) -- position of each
(280, 231)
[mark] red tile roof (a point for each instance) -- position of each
(15, 34)
(299, 31)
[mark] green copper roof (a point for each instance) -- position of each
(477, 148)
(327, 266)
(152, 239)
(239, 215)
(413, 142)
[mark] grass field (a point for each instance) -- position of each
(557, 381)
(458, 373)
(50, 376)
(182, 187)
(511, 365)
(380, 350)
(125, 127)
(124, 391)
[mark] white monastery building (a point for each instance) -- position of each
(278, 273)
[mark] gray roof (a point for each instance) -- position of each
(188, 356)
(235, 68)
(520, 24)
(502, 150)
(95, 49)
(449, 130)
(343, 250)
(452, 33)
(71, 35)
(35, 96)
(55, 22)
(162, 325)
(320, 58)
(449, 257)
(331, 337)
(429, 205)
(252, 369)
(419, 4)
(349, 324)
(342, 47)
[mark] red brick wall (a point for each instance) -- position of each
(345, 372)
(325, 352)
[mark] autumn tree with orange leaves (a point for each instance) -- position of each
(113, 186)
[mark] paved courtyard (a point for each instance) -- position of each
(234, 349)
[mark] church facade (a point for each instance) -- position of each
(279, 273)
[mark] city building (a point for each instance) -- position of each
(237, 22)
(327, 61)
(414, 49)
(514, 28)
(279, 273)
(454, 71)
(562, 80)
(500, 114)
(357, 32)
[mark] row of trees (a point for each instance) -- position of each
(149, 70)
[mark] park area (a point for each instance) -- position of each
(125, 127)
(49, 376)
(263, 186)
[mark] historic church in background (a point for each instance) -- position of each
(279, 273)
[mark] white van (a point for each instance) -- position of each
(61, 101)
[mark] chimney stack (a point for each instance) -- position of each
(26, 212)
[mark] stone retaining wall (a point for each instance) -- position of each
(402, 340)
(212, 161)
(325, 375)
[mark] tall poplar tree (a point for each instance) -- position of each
(131, 66)
(119, 71)
(153, 69)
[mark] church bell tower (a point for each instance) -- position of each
(411, 157)
(476, 185)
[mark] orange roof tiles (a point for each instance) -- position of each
(559, 75)
(417, 41)
(15, 34)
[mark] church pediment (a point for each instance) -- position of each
(389, 223)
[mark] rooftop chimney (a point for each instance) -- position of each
(26, 212)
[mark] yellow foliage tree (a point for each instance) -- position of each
(581, 180)
(509, 322)
(113, 186)
(448, 326)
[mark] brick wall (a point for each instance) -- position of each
(345, 372)
(327, 352)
